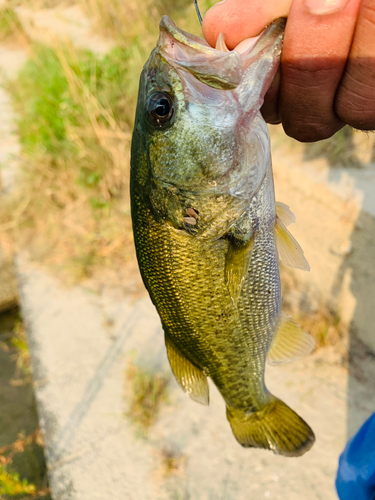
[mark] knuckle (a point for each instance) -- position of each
(310, 131)
(355, 101)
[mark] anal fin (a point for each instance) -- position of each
(192, 379)
(290, 252)
(289, 343)
(237, 263)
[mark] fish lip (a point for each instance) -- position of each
(193, 41)
(200, 44)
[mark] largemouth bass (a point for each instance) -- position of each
(208, 232)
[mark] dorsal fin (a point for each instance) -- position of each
(290, 252)
(192, 379)
(289, 343)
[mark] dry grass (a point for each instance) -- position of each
(11, 30)
(71, 203)
(316, 316)
(172, 462)
(146, 393)
(324, 325)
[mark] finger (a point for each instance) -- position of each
(240, 19)
(270, 109)
(316, 47)
(355, 101)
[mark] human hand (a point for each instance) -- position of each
(327, 76)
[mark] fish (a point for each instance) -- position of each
(207, 230)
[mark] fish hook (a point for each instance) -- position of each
(198, 11)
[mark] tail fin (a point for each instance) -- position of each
(275, 427)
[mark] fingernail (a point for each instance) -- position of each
(321, 7)
(219, 3)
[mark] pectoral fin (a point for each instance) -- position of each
(289, 343)
(237, 262)
(285, 214)
(290, 252)
(192, 379)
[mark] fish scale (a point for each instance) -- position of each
(207, 233)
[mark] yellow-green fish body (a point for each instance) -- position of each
(206, 229)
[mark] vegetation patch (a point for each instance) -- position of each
(71, 203)
(324, 325)
(10, 26)
(146, 393)
(22, 466)
(172, 462)
(11, 484)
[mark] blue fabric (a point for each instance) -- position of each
(356, 473)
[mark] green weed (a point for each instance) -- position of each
(11, 484)
(15, 344)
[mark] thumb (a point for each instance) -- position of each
(240, 19)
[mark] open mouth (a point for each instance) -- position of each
(218, 67)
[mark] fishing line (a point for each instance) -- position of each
(198, 11)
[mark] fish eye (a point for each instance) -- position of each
(160, 109)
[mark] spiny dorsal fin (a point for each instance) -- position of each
(284, 213)
(289, 343)
(237, 262)
(290, 253)
(191, 378)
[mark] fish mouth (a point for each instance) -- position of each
(218, 67)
